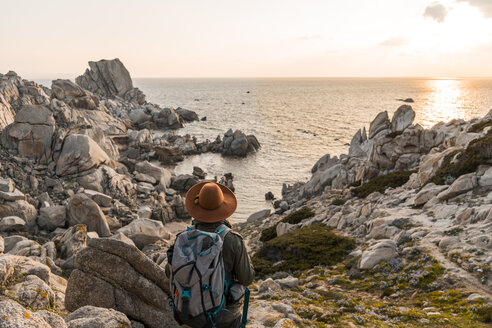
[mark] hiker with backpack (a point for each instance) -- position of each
(208, 265)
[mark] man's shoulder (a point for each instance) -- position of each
(233, 237)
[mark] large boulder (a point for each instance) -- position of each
(380, 124)
(145, 231)
(32, 132)
(52, 217)
(20, 208)
(187, 115)
(382, 251)
(110, 79)
(402, 118)
(163, 176)
(427, 193)
(11, 223)
(74, 95)
(91, 316)
(238, 144)
(13, 315)
(461, 185)
(80, 154)
(83, 210)
(112, 274)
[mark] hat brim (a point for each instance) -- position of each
(201, 214)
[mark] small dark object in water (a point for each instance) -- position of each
(196, 99)
(248, 92)
(203, 118)
(242, 103)
(269, 196)
(408, 100)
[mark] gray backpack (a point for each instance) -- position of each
(198, 282)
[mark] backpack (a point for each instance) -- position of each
(198, 283)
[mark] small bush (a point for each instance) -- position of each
(293, 218)
(380, 183)
(478, 127)
(484, 313)
(478, 152)
(302, 249)
(338, 202)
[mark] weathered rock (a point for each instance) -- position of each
(2, 245)
(260, 215)
(145, 231)
(54, 320)
(161, 175)
(238, 144)
(6, 185)
(427, 193)
(24, 266)
(35, 293)
(52, 217)
(199, 173)
(463, 184)
(284, 227)
(91, 316)
(402, 118)
(379, 124)
(183, 182)
(187, 115)
(11, 223)
(167, 118)
(72, 240)
(83, 210)
(12, 196)
(13, 315)
(486, 179)
(112, 274)
(74, 95)
(80, 154)
(100, 198)
(382, 251)
(32, 132)
(110, 78)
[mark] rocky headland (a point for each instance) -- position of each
(396, 233)
(86, 210)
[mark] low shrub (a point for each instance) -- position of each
(478, 127)
(478, 152)
(338, 202)
(302, 249)
(293, 218)
(382, 182)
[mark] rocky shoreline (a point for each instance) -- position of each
(86, 212)
(396, 233)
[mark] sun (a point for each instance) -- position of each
(463, 29)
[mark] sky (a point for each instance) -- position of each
(254, 38)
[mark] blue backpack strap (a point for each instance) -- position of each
(222, 231)
(245, 308)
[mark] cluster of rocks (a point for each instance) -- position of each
(451, 222)
(84, 203)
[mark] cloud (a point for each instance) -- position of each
(437, 11)
(395, 41)
(485, 6)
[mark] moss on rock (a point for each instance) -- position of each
(302, 249)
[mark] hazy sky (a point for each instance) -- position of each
(232, 38)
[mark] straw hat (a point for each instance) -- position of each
(210, 202)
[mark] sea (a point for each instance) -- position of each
(298, 120)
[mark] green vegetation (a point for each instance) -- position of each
(380, 183)
(460, 162)
(302, 249)
(293, 218)
(478, 127)
(338, 202)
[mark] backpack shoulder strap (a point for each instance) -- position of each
(222, 231)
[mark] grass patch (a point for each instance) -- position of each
(338, 202)
(382, 182)
(478, 127)
(478, 152)
(302, 249)
(293, 218)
